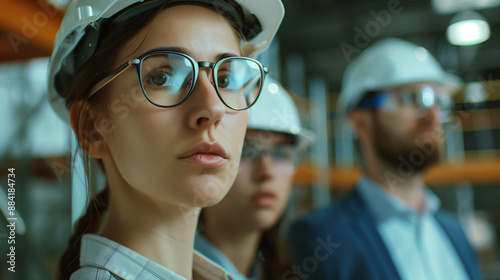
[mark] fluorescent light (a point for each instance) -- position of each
(468, 28)
(454, 6)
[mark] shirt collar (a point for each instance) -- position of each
(205, 247)
(385, 206)
(100, 252)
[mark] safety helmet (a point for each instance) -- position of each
(277, 112)
(387, 63)
(78, 35)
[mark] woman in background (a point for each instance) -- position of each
(241, 233)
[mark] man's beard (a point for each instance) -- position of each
(396, 152)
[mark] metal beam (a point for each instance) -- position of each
(28, 25)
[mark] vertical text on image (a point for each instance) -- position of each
(11, 220)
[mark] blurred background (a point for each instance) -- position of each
(317, 40)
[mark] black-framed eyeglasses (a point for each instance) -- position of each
(167, 78)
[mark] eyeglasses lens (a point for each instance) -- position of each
(239, 82)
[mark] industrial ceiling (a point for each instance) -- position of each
(328, 33)
(325, 33)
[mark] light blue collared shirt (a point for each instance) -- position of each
(416, 242)
(202, 245)
(104, 259)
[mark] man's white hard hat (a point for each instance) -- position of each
(387, 63)
(77, 37)
(277, 112)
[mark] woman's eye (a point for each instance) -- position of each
(280, 154)
(249, 151)
(223, 81)
(160, 78)
(247, 154)
(283, 153)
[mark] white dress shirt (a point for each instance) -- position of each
(418, 245)
(202, 245)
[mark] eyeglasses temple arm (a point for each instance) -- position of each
(372, 102)
(112, 76)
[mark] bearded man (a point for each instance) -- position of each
(389, 227)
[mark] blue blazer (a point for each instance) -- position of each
(342, 242)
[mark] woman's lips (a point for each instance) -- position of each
(264, 199)
(205, 154)
(205, 160)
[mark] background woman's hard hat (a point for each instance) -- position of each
(77, 37)
(275, 111)
(385, 64)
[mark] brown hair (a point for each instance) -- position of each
(275, 254)
(91, 110)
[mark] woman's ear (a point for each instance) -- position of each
(89, 137)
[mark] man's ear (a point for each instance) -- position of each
(89, 137)
(360, 121)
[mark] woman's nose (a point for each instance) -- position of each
(207, 108)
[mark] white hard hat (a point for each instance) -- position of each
(277, 112)
(77, 37)
(388, 63)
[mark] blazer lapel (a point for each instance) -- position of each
(460, 243)
(369, 238)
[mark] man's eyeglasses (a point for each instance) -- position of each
(421, 98)
(167, 78)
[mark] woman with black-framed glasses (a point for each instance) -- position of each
(156, 93)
